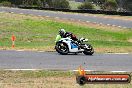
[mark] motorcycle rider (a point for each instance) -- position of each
(65, 34)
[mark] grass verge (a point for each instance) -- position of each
(48, 79)
(38, 33)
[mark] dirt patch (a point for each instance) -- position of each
(46, 82)
(113, 50)
(130, 40)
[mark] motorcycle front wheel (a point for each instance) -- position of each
(89, 50)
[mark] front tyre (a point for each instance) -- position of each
(88, 50)
(62, 48)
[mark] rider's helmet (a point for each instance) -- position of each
(62, 32)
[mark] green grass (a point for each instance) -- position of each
(39, 33)
(36, 74)
(47, 74)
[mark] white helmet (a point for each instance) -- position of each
(62, 32)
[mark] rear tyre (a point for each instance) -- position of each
(89, 50)
(62, 48)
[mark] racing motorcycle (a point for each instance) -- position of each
(67, 45)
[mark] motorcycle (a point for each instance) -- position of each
(67, 45)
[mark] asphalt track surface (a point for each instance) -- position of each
(54, 61)
(81, 17)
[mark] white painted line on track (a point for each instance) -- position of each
(113, 25)
(23, 9)
(100, 71)
(118, 71)
(57, 17)
(41, 51)
(47, 16)
(121, 53)
(64, 13)
(40, 15)
(19, 50)
(108, 24)
(21, 13)
(117, 53)
(84, 70)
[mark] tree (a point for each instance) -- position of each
(86, 5)
(124, 5)
(110, 5)
(16, 2)
(105, 4)
(127, 5)
(60, 4)
(5, 3)
(53, 3)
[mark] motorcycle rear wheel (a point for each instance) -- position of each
(62, 48)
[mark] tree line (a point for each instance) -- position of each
(39, 3)
(112, 5)
(120, 5)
